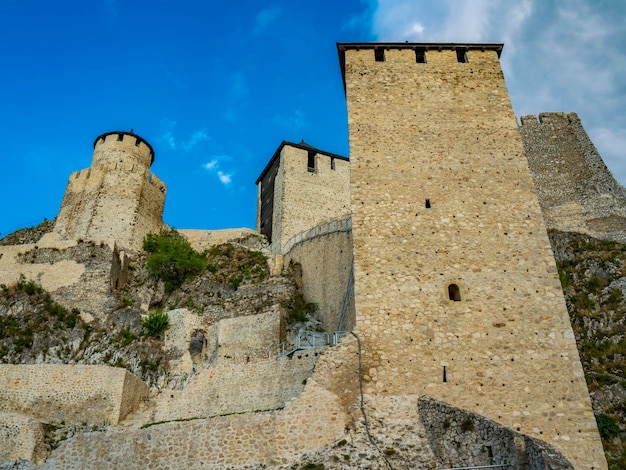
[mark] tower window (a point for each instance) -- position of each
(311, 161)
(137, 142)
(332, 163)
(427, 203)
(461, 55)
(420, 56)
(445, 376)
(120, 137)
(454, 293)
(379, 55)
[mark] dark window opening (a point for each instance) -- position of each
(427, 203)
(332, 163)
(137, 142)
(489, 451)
(420, 56)
(379, 55)
(120, 137)
(197, 344)
(454, 293)
(445, 378)
(461, 55)
(311, 161)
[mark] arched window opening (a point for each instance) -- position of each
(454, 293)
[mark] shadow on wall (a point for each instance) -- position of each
(459, 438)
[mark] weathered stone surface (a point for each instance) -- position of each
(21, 437)
(442, 195)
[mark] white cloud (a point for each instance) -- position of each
(225, 178)
(265, 17)
(196, 138)
(213, 167)
(173, 142)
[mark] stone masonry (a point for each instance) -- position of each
(456, 290)
(300, 188)
(117, 198)
(576, 190)
(55, 393)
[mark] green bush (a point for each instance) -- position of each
(467, 424)
(298, 309)
(607, 426)
(156, 323)
(172, 259)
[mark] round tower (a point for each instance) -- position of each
(122, 147)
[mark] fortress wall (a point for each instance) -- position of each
(309, 423)
(108, 148)
(201, 240)
(444, 132)
(55, 393)
(576, 190)
(326, 262)
(21, 437)
(149, 211)
(239, 387)
(247, 338)
(308, 198)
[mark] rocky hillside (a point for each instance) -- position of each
(593, 276)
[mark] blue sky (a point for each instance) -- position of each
(216, 86)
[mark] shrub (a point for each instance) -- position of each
(156, 323)
(607, 426)
(467, 424)
(172, 259)
(298, 309)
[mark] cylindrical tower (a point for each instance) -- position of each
(119, 146)
(117, 198)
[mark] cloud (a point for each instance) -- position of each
(294, 122)
(197, 137)
(213, 167)
(265, 17)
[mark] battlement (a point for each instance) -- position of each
(108, 146)
(554, 118)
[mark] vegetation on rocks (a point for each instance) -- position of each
(28, 235)
(593, 277)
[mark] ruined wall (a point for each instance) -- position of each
(238, 386)
(21, 437)
(325, 256)
(304, 196)
(311, 422)
(117, 198)
(55, 393)
(576, 190)
(442, 198)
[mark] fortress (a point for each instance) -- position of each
(429, 244)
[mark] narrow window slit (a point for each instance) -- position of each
(379, 54)
(120, 137)
(461, 55)
(445, 377)
(427, 203)
(420, 56)
(454, 293)
(311, 161)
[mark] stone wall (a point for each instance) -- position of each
(313, 421)
(577, 192)
(78, 275)
(69, 393)
(117, 198)
(461, 439)
(21, 437)
(304, 196)
(238, 387)
(456, 289)
(326, 260)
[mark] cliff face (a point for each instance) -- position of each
(593, 276)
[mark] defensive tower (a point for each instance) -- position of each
(299, 188)
(577, 192)
(117, 198)
(456, 290)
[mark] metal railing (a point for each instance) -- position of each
(310, 340)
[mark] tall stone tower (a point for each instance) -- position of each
(577, 192)
(299, 188)
(456, 290)
(117, 198)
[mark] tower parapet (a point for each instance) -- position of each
(117, 198)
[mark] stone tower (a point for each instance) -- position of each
(456, 289)
(299, 188)
(577, 192)
(117, 198)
